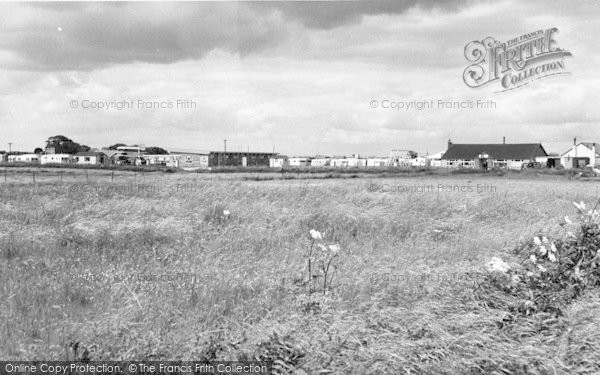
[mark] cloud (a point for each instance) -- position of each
(75, 36)
(330, 14)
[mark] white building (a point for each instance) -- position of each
(320, 162)
(377, 162)
(279, 161)
(419, 161)
(348, 162)
(581, 155)
(57, 159)
(300, 162)
(401, 158)
(90, 158)
(435, 160)
(24, 158)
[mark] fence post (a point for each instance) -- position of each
(33, 174)
(112, 175)
(87, 179)
(61, 179)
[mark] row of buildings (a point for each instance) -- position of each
(476, 156)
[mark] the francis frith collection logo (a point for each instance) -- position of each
(514, 63)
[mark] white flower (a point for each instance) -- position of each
(226, 212)
(543, 250)
(497, 264)
(315, 234)
(322, 247)
(515, 279)
(533, 258)
(567, 220)
(553, 248)
(544, 240)
(334, 248)
(580, 206)
(537, 241)
(541, 268)
(552, 257)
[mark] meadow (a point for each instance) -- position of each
(214, 266)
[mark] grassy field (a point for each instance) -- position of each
(184, 266)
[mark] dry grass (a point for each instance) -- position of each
(76, 266)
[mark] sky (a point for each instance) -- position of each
(300, 78)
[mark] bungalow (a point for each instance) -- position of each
(3, 156)
(581, 155)
(24, 158)
(91, 158)
(57, 159)
(487, 156)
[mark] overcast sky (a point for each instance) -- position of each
(299, 77)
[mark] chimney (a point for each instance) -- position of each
(503, 140)
(574, 141)
(449, 143)
(593, 158)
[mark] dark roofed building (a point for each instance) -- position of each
(499, 155)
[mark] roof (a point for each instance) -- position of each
(89, 153)
(589, 145)
(515, 151)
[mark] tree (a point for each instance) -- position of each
(38, 150)
(64, 145)
(156, 151)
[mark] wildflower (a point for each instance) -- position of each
(543, 250)
(577, 273)
(322, 247)
(226, 212)
(580, 206)
(537, 241)
(315, 234)
(542, 268)
(497, 264)
(567, 220)
(529, 274)
(515, 279)
(552, 257)
(334, 248)
(533, 258)
(553, 248)
(545, 240)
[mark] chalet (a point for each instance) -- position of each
(239, 159)
(320, 161)
(279, 161)
(487, 156)
(377, 162)
(300, 161)
(91, 158)
(57, 159)
(189, 159)
(24, 158)
(349, 162)
(581, 155)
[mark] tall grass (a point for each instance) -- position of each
(158, 274)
